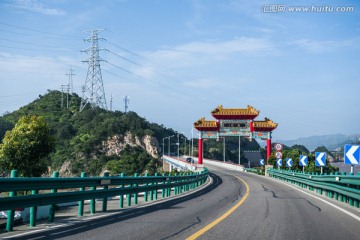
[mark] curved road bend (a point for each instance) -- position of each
(272, 210)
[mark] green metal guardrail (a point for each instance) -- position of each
(344, 188)
(252, 170)
(88, 188)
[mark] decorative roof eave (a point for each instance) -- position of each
(264, 126)
(249, 113)
(206, 125)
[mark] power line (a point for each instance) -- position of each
(122, 68)
(35, 30)
(43, 50)
(126, 59)
(124, 49)
(34, 44)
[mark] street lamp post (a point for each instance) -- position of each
(185, 146)
(192, 142)
(178, 143)
(169, 144)
(163, 152)
(224, 149)
(185, 140)
(189, 148)
(239, 148)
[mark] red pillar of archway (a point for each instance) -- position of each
(268, 149)
(200, 151)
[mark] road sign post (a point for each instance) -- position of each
(279, 163)
(278, 154)
(289, 163)
(262, 162)
(303, 162)
(320, 160)
(351, 155)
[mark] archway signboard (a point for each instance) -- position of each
(234, 122)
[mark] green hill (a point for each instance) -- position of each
(96, 139)
(82, 137)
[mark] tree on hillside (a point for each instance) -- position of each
(26, 146)
(4, 126)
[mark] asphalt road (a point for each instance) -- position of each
(271, 210)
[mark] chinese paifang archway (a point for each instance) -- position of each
(234, 122)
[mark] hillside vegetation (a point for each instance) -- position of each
(96, 139)
(80, 136)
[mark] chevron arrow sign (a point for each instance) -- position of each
(262, 162)
(303, 161)
(289, 162)
(352, 154)
(320, 159)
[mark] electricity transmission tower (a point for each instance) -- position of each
(127, 102)
(65, 88)
(93, 90)
(70, 79)
(111, 101)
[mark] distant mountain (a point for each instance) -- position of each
(331, 142)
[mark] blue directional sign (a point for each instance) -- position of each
(262, 162)
(279, 162)
(320, 159)
(352, 154)
(289, 162)
(303, 161)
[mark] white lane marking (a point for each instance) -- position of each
(323, 200)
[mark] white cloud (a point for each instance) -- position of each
(195, 54)
(36, 6)
(316, 46)
(202, 83)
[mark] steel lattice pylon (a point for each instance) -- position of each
(93, 90)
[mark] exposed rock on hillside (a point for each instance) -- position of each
(117, 143)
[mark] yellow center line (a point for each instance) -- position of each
(225, 215)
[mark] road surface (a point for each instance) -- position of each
(240, 206)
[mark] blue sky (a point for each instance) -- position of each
(178, 60)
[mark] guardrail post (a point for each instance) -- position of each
(146, 193)
(191, 184)
(155, 191)
(104, 203)
(187, 184)
(356, 203)
(128, 198)
(92, 202)
(204, 180)
(169, 189)
(53, 206)
(176, 189)
(351, 201)
(10, 213)
(33, 211)
(135, 194)
(163, 188)
(81, 203)
(121, 197)
(341, 198)
(181, 188)
(151, 192)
